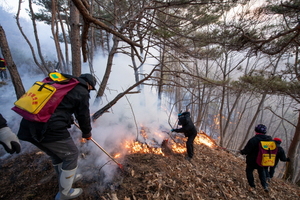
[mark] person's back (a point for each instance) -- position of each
(270, 171)
(281, 153)
(75, 101)
(54, 139)
(188, 127)
(252, 147)
(251, 151)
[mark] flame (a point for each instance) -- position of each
(118, 155)
(138, 147)
(178, 148)
(83, 140)
(202, 138)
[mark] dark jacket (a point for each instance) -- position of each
(280, 154)
(188, 129)
(252, 147)
(3, 122)
(75, 102)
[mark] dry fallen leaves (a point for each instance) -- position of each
(213, 174)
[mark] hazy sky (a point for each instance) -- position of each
(11, 6)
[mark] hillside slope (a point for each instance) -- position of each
(212, 174)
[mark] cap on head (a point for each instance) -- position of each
(277, 139)
(260, 128)
(90, 79)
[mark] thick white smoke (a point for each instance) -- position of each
(123, 121)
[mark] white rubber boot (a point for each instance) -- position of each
(65, 185)
(58, 171)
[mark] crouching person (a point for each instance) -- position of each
(54, 139)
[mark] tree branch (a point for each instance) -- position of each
(88, 18)
(97, 114)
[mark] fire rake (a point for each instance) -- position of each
(98, 145)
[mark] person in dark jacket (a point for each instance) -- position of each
(279, 156)
(251, 150)
(3, 74)
(8, 139)
(189, 130)
(54, 138)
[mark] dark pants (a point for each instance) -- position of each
(190, 145)
(270, 171)
(63, 151)
(3, 74)
(261, 173)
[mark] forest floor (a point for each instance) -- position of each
(213, 173)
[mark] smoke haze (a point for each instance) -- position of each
(112, 129)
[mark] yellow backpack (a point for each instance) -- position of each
(41, 100)
(267, 153)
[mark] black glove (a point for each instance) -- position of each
(87, 136)
(9, 140)
(72, 119)
(288, 160)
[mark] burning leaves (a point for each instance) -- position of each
(137, 147)
(168, 146)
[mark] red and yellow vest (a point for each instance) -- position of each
(2, 64)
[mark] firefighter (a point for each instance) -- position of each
(251, 150)
(3, 74)
(54, 137)
(280, 156)
(189, 130)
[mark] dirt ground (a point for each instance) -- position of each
(213, 174)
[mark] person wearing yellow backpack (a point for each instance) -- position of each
(251, 151)
(53, 136)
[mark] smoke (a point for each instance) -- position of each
(127, 118)
(124, 122)
(19, 48)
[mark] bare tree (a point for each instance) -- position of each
(75, 39)
(15, 77)
(43, 68)
(54, 29)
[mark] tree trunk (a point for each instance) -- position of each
(160, 81)
(14, 74)
(249, 131)
(106, 75)
(290, 170)
(75, 40)
(41, 67)
(37, 40)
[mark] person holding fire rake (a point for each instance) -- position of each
(54, 139)
(189, 130)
